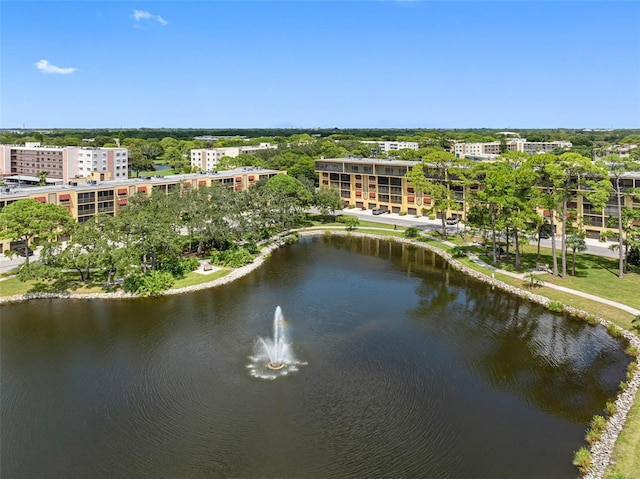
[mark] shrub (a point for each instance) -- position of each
(178, 267)
(582, 459)
(593, 436)
(611, 408)
(150, 284)
(233, 258)
(614, 331)
(591, 319)
(292, 239)
(635, 323)
(555, 306)
(598, 423)
(533, 280)
(458, 252)
(351, 222)
(632, 351)
(411, 232)
(633, 257)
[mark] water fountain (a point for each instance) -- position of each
(273, 357)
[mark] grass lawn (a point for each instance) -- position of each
(626, 455)
(193, 278)
(13, 286)
(596, 275)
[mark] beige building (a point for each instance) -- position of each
(85, 200)
(65, 163)
(372, 183)
(206, 159)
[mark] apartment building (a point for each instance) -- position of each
(63, 162)
(388, 147)
(206, 159)
(372, 183)
(491, 150)
(85, 200)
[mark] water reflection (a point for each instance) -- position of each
(413, 371)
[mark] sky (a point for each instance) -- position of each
(319, 64)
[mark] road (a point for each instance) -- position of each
(593, 246)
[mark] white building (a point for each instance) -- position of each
(206, 159)
(64, 162)
(391, 146)
(491, 149)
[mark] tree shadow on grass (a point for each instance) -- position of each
(64, 285)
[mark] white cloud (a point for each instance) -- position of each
(45, 67)
(142, 15)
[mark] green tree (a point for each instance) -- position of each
(592, 181)
(328, 200)
(290, 187)
(351, 222)
(433, 178)
(174, 157)
(617, 167)
(29, 220)
(138, 161)
(42, 176)
(150, 228)
(575, 242)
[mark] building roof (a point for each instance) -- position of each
(158, 179)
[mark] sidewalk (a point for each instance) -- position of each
(575, 292)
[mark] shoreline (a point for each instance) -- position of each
(601, 451)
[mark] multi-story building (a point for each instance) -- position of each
(490, 150)
(388, 147)
(372, 183)
(85, 200)
(64, 162)
(206, 159)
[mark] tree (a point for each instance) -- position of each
(328, 200)
(581, 175)
(28, 220)
(42, 176)
(138, 161)
(433, 177)
(351, 222)
(576, 243)
(560, 179)
(174, 157)
(290, 187)
(617, 167)
(149, 227)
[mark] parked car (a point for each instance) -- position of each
(452, 220)
(381, 210)
(29, 252)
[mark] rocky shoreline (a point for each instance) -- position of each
(600, 452)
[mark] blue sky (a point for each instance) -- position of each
(307, 64)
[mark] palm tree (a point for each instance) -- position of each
(577, 243)
(42, 176)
